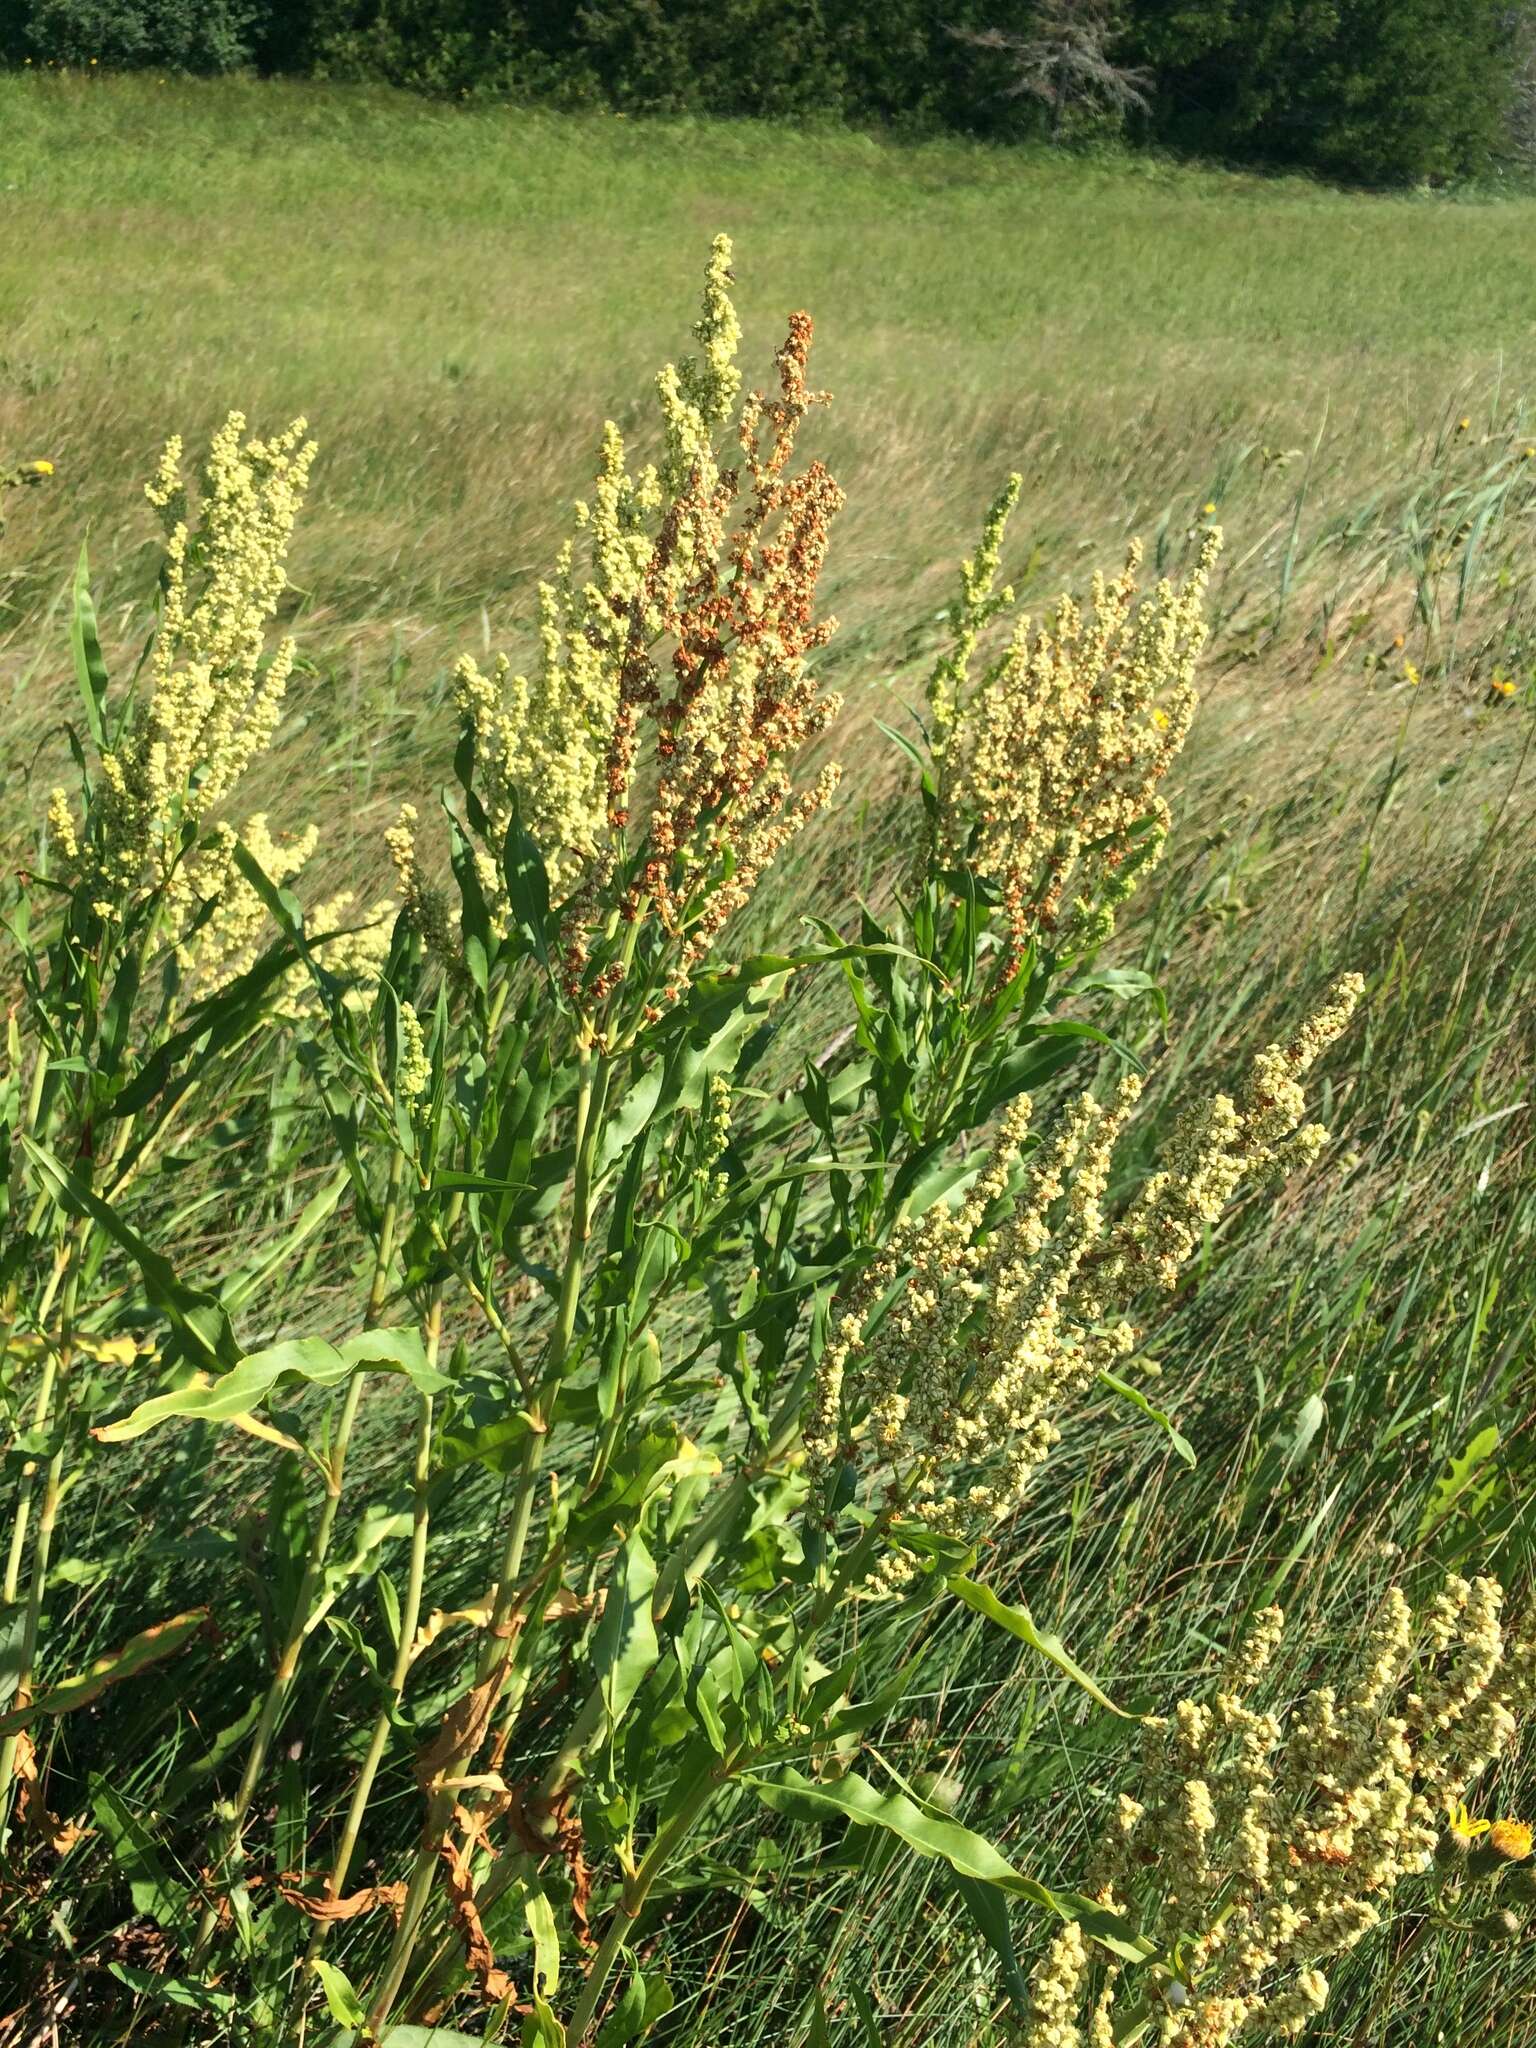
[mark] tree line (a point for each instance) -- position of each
(1379, 91)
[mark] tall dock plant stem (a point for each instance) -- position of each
(13, 1293)
(410, 1614)
(591, 1091)
(637, 1889)
(55, 1378)
(41, 1409)
(314, 1568)
(674, 1831)
(686, 1565)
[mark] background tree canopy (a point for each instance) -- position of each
(1382, 91)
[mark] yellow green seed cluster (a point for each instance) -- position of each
(673, 674)
(1055, 1989)
(980, 602)
(1265, 1843)
(413, 1076)
(1050, 764)
(542, 741)
(954, 1352)
(216, 696)
(1218, 1145)
(349, 941)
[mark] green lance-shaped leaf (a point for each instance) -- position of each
(152, 1890)
(625, 1647)
(1179, 1444)
(90, 669)
(212, 1027)
(140, 1651)
(854, 1799)
(197, 1317)
(989, 1912)
(646, 2000)
(540, 1915)
(527, 881)
(310, 1359)
(274, 1257)
(342, 2001)
(1021, 1623)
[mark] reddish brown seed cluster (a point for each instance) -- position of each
(731, 704)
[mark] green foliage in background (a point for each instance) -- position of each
(1381, 91)
(1385, 91)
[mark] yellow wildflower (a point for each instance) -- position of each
(1461, 1822)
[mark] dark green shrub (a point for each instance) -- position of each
(180, 35)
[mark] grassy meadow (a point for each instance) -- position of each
(456, 298)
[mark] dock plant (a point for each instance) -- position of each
(746, 1267)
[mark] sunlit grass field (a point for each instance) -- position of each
(456, 298)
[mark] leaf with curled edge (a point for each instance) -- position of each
(137, 1654)
(235, 1394)
(1020, 1623)
(854, 1799)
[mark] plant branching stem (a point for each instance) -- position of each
(309, 1584)
(637, 1889)
(494, 1658)
(55, 1376)
(410, 1614)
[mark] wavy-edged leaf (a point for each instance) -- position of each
(527, 881)
(397, 1349)
(1019, 1622)
(1181, 1445)
(854, 1799)
(310, 1359)
(163, 1990)
(137, 1654)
